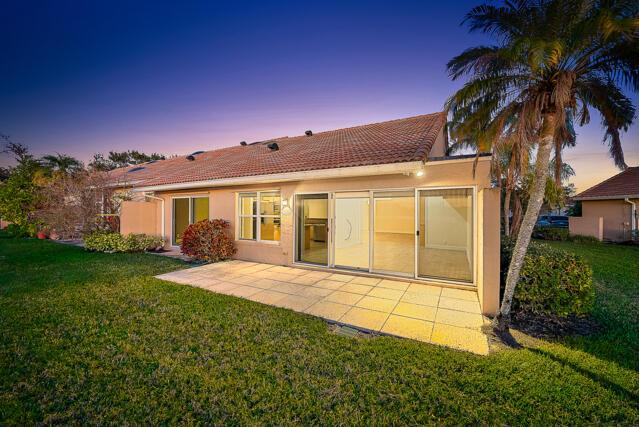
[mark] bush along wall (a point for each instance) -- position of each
(552, 281)
(110, 242)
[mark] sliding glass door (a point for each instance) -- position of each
(419, 233)
(186, 211)
(446, 234)
(352, 230)
(181, 215)
(312, 228)
(394, 232)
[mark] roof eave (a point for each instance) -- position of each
(621, 197)
(343, 172)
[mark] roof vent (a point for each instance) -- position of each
(196, 152)
(273, 146)
(243, 143)
(309, 133)
(190, 157)
(139, 168)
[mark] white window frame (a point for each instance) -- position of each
(258, 216)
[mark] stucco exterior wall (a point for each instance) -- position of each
(616, 216)
(488, 253)
(586, 226)
(439, 147)
(223, 204)
(140, 217)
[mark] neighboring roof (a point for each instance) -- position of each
(396, 141)
(624, 184)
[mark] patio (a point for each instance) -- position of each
(414, 310)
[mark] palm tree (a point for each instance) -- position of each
(61, 163)
(552, 61)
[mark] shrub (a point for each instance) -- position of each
(551, 233)
(208, 241)
(100, 241)
(552, 281)
(25, 230)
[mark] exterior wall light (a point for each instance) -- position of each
(419, 173)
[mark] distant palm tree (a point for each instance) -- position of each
(61, 163)
(552, 61)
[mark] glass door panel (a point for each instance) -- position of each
(352, 231)
(200, 209)
(180, 218)
(446, 234)
(394, 232)
(312, 228)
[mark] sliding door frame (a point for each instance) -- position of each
(475, 233)
(334, 228)
(329, 222)
(415, 274)
(190, 197)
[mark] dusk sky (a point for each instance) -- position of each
(83, 77)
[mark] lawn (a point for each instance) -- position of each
(94, 338)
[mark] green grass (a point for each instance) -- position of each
(94, 338)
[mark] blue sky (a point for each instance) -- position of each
(174, 77)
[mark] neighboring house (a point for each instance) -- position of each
(609, 209)
(381, 199)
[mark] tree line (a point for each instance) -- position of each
(57, 192)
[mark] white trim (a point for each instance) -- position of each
(355, 171)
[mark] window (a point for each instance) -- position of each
(188, 210)
(259, 216)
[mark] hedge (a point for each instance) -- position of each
(110, 242)
(552, 281)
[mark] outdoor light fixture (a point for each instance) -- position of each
(286, 210)
(419, 173)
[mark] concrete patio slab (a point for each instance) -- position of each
(410, 309)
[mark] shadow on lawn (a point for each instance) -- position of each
(621, 391)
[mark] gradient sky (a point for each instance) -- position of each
(79, 77)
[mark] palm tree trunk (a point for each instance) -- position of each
(516, 219)
(502, 320)
(507, 212)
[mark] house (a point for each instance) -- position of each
(380, 199)
(609, 209)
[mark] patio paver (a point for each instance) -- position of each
(414, 310)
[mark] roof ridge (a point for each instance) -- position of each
(606, 180)
(369, 124)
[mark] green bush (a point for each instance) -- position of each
(552, 281)
(551, 233)
(101, 241)
(16, 230)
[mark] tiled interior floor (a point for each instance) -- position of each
(419, 311)
(395, 253)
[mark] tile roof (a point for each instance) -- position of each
(396, 141)
(623, 184)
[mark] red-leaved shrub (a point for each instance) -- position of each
(208, 240)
